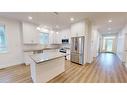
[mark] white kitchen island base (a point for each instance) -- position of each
(47, 70)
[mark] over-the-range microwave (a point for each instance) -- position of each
(65, 41)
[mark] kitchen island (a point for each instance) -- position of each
(46, 66)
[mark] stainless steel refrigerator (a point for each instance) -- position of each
(77, 49)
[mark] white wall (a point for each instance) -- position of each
(95, 41)
(14, 54)
(88, 41)
(121, 44)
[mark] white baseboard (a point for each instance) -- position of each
(5, 66)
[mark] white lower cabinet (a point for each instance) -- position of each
(47, 70)
(68, 56)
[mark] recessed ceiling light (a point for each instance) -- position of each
(71, 19)
(109, 20)
(44, 30)
(38, 28)
(30, 17)
(57, 32)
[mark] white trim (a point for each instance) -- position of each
(5, 34)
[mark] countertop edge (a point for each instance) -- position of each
(47, 59)
(39, 49)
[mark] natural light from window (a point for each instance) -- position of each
(44, 38)
(3, 46)
(108, 43)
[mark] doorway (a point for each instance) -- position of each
(108, 44)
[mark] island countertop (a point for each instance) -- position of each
(42, 57)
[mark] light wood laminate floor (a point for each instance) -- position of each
(107, 68)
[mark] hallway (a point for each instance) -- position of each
(112, 70)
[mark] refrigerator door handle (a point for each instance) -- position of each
(77, 49)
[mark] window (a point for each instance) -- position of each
(3, 46)
(44, 38)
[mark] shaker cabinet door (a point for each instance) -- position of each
(30, 33)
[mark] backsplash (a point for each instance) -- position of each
(38, 46)
(65, 46)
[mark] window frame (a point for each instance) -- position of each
(6, 46)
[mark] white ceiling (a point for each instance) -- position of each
(51, 19)
(118, 22)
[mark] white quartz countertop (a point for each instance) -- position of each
(42, 57)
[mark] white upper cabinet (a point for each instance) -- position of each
(63, 34)
(53, 38)
(30, 33)
(78, 29)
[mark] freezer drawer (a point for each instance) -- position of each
(77, 58)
